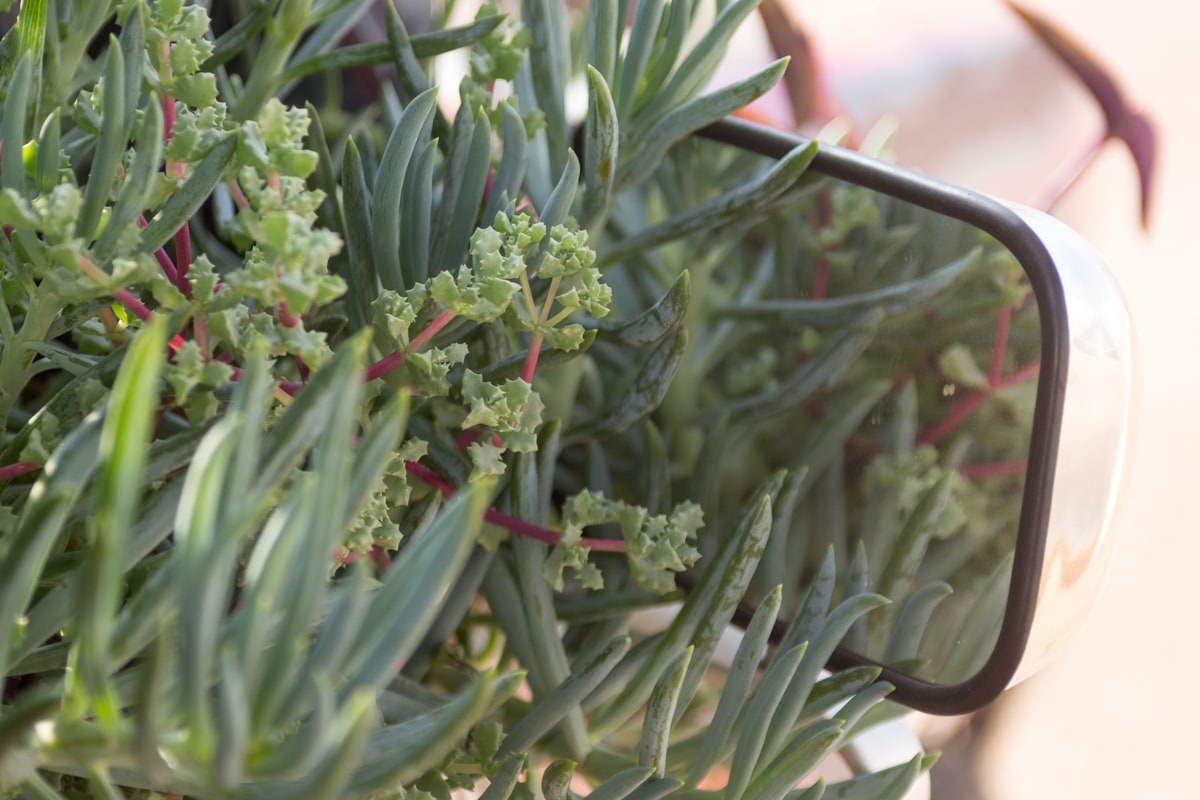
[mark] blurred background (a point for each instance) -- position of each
(978, 100)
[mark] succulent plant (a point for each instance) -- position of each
(337, 457)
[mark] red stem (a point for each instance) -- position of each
(1003, 323)
(518, 526)
(18, 469)
(164, 260)
(531, 358)
(963, 409)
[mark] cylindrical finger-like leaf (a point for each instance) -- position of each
(720, 732)
(660, 715)
(752, 733)
(110, 145)
(550, 709)
(792, 703)
(646, 393)
(187, 201)
(412, 130)
(124, 442)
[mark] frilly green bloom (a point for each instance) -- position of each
(188, 371)
(475, 297)
(274, 143)
(513, 411)
(656, 545)
(429, 368)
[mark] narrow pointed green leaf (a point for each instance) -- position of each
(133, 48)
(701, 62)
(647, 392)
(413, 129)
(468, 194)
(361, 280)
(409, 597)
(646, 21)
(691, 117)
(829, 692)
(370, 54)
(913, 620)
(235, 40)
(679, 15)
(913, 541)
(734, 204)
(416, 210)
(506, 779)
(820, 372)
(742, 670)
(601, 140)
(892, 783)
(657, 321)
(546, 69)
(233, 722)
(16, 109)
(550, 709)
(49, 150)
(791, 705)
(753, 530)
(110, 145)
(556, 780)
(834, 312)
(621, 785)
(25, 552)
(603, 37)
(750, 731)
(401, 753)
(660, 715)
(131, 200)
(682, 629)
(124, 441)
(510, 174)
(803, 753)
(656, 789)
(184, 204)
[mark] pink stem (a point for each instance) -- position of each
(431, 330)
(531, 358)
(18, 469)
(1003, 323)
(964, 408)
(1026, 373)
(518, 526)
(164, 260)
(389, 362)
(183, 259)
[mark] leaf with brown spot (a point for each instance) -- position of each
(1122, 120)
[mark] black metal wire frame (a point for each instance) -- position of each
(1010, 230)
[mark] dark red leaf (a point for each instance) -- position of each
(789, 39)
(1122, 120)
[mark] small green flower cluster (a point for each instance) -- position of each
(657, 545)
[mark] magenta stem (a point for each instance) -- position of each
(517, 526)
(18, 469)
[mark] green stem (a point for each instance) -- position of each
(270, 61)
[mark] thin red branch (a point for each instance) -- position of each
(18, 469)
(518, 526)
(1003, 323)
(529, 369)
(164, 260)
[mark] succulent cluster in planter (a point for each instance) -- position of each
(344, 439)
